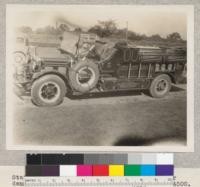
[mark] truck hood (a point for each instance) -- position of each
(51, 54)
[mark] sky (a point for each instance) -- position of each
(148, 20)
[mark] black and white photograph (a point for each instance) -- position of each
(100, 77)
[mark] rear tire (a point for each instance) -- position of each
(160, 86)
(48, 90)
(84, 76)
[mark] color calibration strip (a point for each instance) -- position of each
(148, 164)
(99, 170)
(92, 159)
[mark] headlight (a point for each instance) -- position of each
(36, 58)
(19, 57)
(36, 63)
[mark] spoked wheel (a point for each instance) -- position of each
(48, 90)
(160, 86)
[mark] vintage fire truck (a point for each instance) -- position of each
(93, 66)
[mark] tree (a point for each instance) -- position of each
(109, 27)
(96, 30)
(104, 28)
(156, 37)
(77, 30)
(175, 36)
(135, 36)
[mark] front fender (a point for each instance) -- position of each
(60, 72)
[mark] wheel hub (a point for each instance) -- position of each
(162, 85)
(49, 91)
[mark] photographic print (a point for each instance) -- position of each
(99, 77)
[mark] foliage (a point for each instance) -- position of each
(78, 30)
(135, 36)
(104, 28)
(175, 36)
(109, 28)
(156, 37)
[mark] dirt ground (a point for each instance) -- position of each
(130, 118)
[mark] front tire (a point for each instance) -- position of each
(160, 86)
(48, 90)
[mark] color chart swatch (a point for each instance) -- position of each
(100, 165)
